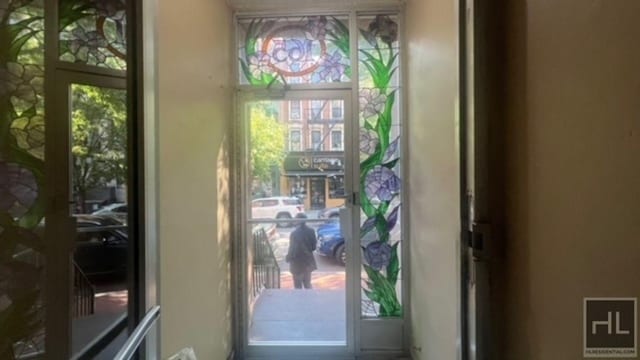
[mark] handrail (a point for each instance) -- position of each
(100, 342)
(83, 293)
(133, 342)
(266, 272)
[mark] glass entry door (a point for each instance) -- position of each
(298, 231)
(305, 150)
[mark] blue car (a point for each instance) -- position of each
(331, 241)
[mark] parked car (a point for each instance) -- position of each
(116, 210)
(330, 213)
(277, 207)
(331, 241)
(101, 246)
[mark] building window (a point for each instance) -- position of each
(316, 110)
(316, 140)
(337, 112)
(336, 140)
(294, 140)
(294, 110)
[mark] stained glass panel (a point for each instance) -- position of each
(93, 32)
(380, 180)
(21, 178)
(307, 50)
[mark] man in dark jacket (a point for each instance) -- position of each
(302, 242)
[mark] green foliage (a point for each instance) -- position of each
(99, 137)
(268, 141)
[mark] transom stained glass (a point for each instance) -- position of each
(93, 32)
(313, 49)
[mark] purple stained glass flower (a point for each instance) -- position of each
(316, 28)
(382, 183)
(18, 189)
(368, 141)
(331, 69)
(85, 43)
(259, 64)
(371, 102)
(377, 255)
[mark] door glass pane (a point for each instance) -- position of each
(302, 50)
(280, 252)
(93, 32)
(380, 166)
(22, 202)
(99, 179)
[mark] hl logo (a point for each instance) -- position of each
(609, 324)
(610, 327)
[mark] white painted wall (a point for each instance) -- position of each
(573, 145)
(433, 182)
(195, 108)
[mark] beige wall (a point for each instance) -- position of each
(195, 109)
(433, 180)
(573, 145)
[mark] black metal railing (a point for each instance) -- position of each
(83, 293)
(266, 272)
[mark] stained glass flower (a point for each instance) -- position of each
(368, 141)
(29, 134)
(316, 28)
(384, 28)
(371, 102)
(18, 189)
(259, 64)
(382, 183)
(10, 78)
(331, 69)
(377, 255)
(85, 43)
(22, 83)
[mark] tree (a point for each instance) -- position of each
(99, 138)
(268, 140)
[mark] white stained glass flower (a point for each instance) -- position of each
(371, 102)
(259, 64)
(368, 141)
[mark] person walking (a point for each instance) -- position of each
(302, 242)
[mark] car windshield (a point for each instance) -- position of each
(292, 201)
